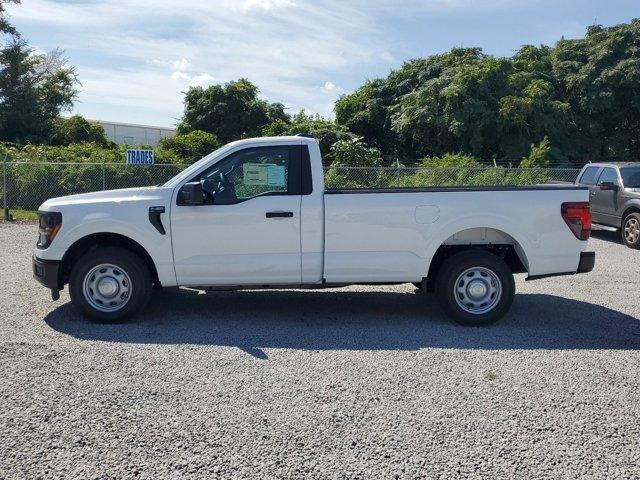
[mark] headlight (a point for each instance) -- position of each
(49, 226)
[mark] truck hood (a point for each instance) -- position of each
(108, 196)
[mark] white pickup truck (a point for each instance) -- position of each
(255, 214)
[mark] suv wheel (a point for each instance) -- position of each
(475, 288)
(631, 230)
(109, 284)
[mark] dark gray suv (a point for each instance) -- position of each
(615, 197)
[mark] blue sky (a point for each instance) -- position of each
(135, 57)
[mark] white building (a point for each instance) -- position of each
(133, 134)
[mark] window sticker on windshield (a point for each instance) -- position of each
(276, 176)
(254, 174)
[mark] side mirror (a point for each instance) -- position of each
(191, 194)
(608, 186)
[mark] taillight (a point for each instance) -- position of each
(577, 216)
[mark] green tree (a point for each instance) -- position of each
(601, 78)
(325, 131)
(77, 129)
(34, 89)
(539, 155)
(230, 112)
(188, 147)
(580, 94)
(5, 26)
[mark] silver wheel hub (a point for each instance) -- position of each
(107, 288)
(477, 290)
(632, 230)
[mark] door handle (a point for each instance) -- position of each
(279, 214)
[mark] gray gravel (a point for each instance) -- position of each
(353, 383)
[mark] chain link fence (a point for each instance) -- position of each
(416, 177)
(26, 185)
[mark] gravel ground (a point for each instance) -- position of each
(354, 383)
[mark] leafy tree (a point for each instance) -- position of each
(325, 131)
(539, 155)
(230, 112)
(188, 147)
(354, 153)
(34, 89)
(5, 25)
(77, 129)
(601, 78)
(364, 113)
(582, 95)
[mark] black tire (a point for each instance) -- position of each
(125, 262)
(630, 224)
(484, 269)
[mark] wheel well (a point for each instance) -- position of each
(507, 252)
(91, 242)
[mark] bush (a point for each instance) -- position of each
(77, 129)
(539, 156)
(187, 148)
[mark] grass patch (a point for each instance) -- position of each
(22, 214)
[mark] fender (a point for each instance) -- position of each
(127, 216)
(523, 245)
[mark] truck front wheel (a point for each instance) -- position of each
(109, 284)
(475, 288)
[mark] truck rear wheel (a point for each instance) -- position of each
(475, 288)
(109, 284)
(631, 230)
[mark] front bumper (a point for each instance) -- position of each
(586, 264)
(47, 272)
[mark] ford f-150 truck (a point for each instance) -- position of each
(255, 214)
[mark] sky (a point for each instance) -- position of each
(135, 58)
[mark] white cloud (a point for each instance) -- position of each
(182, 64)
(265, 4)
(203, 80)
(180, 76)
(330, 87)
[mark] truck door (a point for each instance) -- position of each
(604, 202)
(248, 230)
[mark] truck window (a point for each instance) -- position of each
(246, 174)
(589, 175)
(630, 177)
(608, 175)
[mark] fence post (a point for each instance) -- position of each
(7, 217)
(104, 176)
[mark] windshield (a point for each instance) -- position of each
(195, 166)
(630, 177)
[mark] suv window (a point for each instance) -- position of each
(608, 175)
(589, 175)
(246, 174)
(631, 177)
